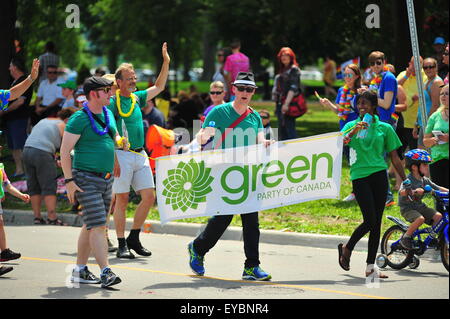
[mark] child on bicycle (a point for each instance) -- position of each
(411, 193)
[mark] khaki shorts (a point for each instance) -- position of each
(135, 171)
(412, 214)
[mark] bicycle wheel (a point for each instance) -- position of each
(397, 256)
(444, 252)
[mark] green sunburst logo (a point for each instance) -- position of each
(187, 185)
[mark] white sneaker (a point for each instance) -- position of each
(349, 198)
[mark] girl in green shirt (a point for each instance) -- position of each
(369, 178)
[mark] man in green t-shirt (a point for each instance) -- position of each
(126, 106)
(233, 119)
(91, 133)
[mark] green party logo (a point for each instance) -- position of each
(187, 185)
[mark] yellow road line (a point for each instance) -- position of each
(268, 283)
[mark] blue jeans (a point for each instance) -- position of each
(286, 125)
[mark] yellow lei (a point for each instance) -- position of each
(133, 103)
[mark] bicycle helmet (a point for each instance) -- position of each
(417, 157)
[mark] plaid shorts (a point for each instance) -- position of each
(95, 198)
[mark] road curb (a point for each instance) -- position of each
(23, 217)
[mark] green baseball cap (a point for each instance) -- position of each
(69, 85)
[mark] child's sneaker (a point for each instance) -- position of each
(255, 273)
(8, 254)
(406, 242)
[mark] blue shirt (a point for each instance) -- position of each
(4, 98)
(388, 84)
(351, 116)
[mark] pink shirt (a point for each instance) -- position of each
(235, 63)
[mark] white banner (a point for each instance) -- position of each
(249, 179)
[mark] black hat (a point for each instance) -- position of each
(94, 83)
(245, 78)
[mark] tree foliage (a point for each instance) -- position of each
(134, 30)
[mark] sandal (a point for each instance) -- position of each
(56, 222)
(344, 261)
(39, 221)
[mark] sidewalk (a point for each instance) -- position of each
(23, 217)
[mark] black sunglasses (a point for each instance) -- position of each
(105, 89)
(379, 62)
(264, 116)
(429, 67)
(52, 72)
(445, 53)
(249, 89)
(215, 92)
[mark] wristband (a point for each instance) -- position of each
(68, 180)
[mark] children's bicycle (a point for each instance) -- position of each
(436, 237)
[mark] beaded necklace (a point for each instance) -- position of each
(91, 119)
(133, 103)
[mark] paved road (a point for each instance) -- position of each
(48, 253)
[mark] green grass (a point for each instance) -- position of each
(325, 216)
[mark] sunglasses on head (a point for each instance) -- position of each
(378, 62)
(105, 89)
(428, 67)
(248, 89)
(216, 92)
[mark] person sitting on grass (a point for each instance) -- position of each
(6, 253)
(411, 193)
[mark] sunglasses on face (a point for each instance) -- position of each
(105, 89)
(428, 67)
(248, 89)
(445, 53)
(348, 75)
(378, 62)
(265, 117)
(444, 94)
(52, 72)
(219, 54)
(216, 92)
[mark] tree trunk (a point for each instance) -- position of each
(8, 15)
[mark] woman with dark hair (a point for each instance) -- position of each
(286, 87)
(368, 175)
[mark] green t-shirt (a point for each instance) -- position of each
(367, 155)
(133, 123)
(93, 152)
(245, 133)
(437, 123)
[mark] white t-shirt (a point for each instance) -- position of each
(49, 92)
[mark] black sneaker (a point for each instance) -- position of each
(109, 278)
(8, 254)
(84, 276)
(138, 248)
(5, 270)
(406, 242)
(124, 252)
